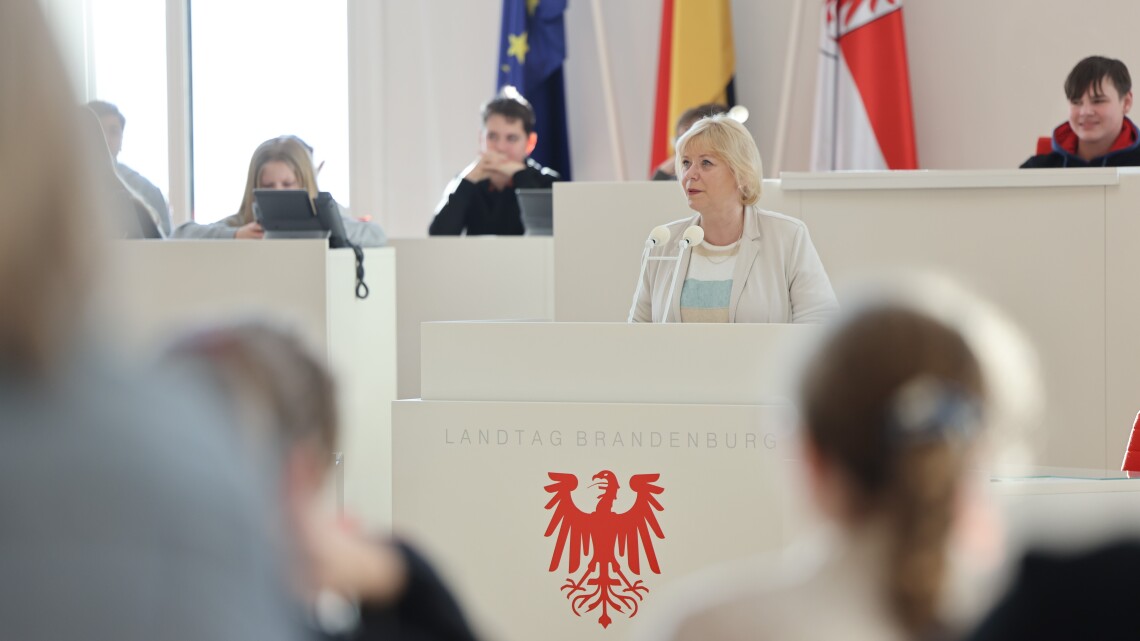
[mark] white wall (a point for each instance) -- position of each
(986, 78)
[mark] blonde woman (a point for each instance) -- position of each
(285, 162)
(126, 511)
(754, 266)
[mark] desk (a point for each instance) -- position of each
(467, 278)
(159, 289)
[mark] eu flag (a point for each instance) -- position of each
(532, 49)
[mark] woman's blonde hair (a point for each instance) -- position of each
(290, 150)
(731, 142)
(894, 399)
(49, 211)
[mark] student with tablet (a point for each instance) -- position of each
(285, 162)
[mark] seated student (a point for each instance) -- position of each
(288, 401)
(481, 200)
(667, 169)
(893, 405)
(129, 215)
(114, 124)
(285, 162)
(1098, 133)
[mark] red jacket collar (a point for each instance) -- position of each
(1065, 138)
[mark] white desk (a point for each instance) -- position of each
(163, 288)
(468, 278)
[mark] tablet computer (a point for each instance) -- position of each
(537, 207)
(287, 213)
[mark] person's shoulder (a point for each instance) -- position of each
(133, 178)
(678, 227)
(775, 216)
(1040, 161)
(733, 601)
(1126, 157)
(125, 172)
(781, 224)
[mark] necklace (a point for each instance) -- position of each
(720, 254)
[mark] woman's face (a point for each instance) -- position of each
(276, 174)
(707, 180)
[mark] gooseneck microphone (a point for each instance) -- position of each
(693, 236)
(658, 236)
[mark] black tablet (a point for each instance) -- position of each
(537, 208)
(287, 213)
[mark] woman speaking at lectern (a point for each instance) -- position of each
(750, 265)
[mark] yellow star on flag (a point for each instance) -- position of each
(531, 5)
(518, 47)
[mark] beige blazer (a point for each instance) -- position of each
(778, 276)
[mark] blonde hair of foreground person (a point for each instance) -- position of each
(729, 140)
(48, 208)
(895, 404)
(290, 150)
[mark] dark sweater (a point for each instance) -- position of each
(478, 209)
(1089, 595)
(425, 611)
(1125, 152)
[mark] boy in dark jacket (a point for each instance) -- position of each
(481, 200)
(1098, 133)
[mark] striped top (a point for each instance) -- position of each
(707, 290)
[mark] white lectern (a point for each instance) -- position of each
(520, 421)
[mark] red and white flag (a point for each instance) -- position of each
(863, 116)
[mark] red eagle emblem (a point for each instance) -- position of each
(603, 536)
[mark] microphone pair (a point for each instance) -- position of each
(693, 235)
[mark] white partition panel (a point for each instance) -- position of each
(1038, 252)
(469, 278)
(163, 288)
(1122, 328)
(470, 481)
(611, 362)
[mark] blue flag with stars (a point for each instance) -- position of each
(532, 49)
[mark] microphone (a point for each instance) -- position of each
(658, 236)
(694, 235)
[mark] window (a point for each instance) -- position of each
(128, 67)
(262, 69)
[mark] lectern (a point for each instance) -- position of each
(561, 474)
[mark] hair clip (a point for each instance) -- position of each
(927, 408)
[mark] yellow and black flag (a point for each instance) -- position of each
(696, 65)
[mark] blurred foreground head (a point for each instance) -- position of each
(281, 391)
(894, 401)
(46, 240)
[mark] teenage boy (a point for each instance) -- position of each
(1098, 133)
(481, 200)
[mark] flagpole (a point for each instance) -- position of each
(790, 56)
(608, 91)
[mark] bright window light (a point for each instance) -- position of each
(128, 46)
(260, 70)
